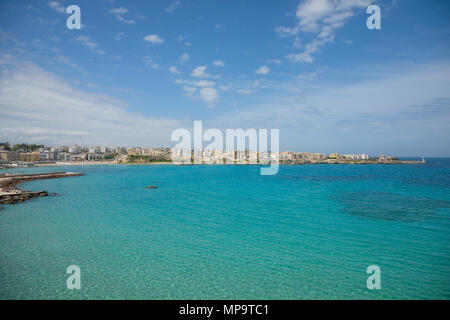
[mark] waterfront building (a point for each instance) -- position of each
(44, 156)
(287, 155)
(74, 149)
(29, 156)
(318, 156)
(155, 153)
(79, 157)
(253, 157)
(265, 157)
(94, 150)
(6, 155)
(65, 156)
(134, 151)
(333, 156)
(241, 156)
(96, 156)
(365, 156)
(230, 156)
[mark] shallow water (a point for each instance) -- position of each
(226, 232)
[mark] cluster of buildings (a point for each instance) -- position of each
(359, 157)
(223, 157)
(255, 157)
(306, 157)
(139, 154)
(80, 154)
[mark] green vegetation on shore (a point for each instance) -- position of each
(144, 159)
(21, 146)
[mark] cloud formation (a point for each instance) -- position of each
(43, 108)
(173, 5)
(119, 14)
(154, 39)
(219, 63)
(91, 44)
(319, 19)
(55, 5)
(184, 57)
(262, 70)
(209, 95)
(200, 72)
(174, 70)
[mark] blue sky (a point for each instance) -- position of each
(139, 69)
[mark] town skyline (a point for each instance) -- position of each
(103, 148)
(39, 153)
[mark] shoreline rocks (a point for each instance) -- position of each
(13, 198)
(11, 194)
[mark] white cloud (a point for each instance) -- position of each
(174, 70)
(38, 107)
(63, 59)
(219, 63)
(88, 42)
(171, 8)
(189, 91)
(199, 83)
(285, 31)
(55, 5)
(204, 83)
(122, 19)
(319, 19)
(200, 72)
(209, 95)
(205, 89)
(153, 38)
(184, 57)
(119, 12)
(262, 70)
(150, 63)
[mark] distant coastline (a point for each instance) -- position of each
(282, 163)
(22, 155)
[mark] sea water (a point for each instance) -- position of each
(226, 232)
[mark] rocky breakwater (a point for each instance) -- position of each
(10, 194)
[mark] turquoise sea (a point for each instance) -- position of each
(226, 232)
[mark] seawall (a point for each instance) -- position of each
(9, 194)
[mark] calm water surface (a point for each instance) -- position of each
(225, 232)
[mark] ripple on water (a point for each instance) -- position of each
(389, 206)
